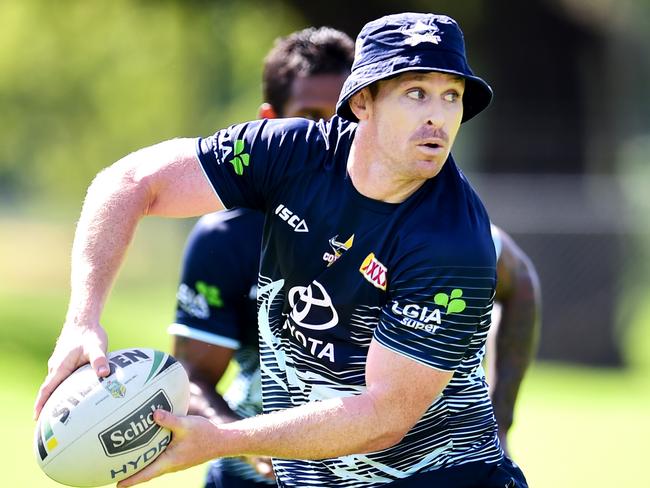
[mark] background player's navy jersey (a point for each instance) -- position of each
(216, 304)
(339, 270)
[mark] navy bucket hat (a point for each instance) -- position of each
(399, 43)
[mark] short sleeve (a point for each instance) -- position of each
(247, 163)
(435, 312)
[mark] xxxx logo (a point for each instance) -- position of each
(241, 158)
(373, 271)
(455, 305)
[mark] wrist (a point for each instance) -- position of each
(81, 319)
(228, 441)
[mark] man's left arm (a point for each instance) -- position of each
(513, 340)
(376, 419)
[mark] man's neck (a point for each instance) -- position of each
(373, 177)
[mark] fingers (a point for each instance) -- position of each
(44, 393)
(75, 346)
(164, 463)
(53, 379)
(95, 344)
(98, 360)
(160, 466)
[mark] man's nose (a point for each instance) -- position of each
(435, 116)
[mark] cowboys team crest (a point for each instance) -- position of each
(338, 248)
(421, 32)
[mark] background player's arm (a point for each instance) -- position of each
(399, 391)
(165, 179)
(205, 364)
(513, 341)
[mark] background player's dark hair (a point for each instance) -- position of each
(309, 52)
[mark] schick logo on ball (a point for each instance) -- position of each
(136, 429)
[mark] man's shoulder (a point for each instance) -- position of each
(449, 226)
(325, 131)
(446, 242)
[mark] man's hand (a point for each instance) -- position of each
(190, 436)
(75, 347)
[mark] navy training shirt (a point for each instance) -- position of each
(339, 269)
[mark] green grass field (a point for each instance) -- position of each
(575, 427)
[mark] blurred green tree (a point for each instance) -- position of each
(83, 83)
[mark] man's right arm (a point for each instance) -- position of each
(165, 179)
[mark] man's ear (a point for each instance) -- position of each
(266, 111)
(359, 103)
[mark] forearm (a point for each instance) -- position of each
(164, 179)
(515, 343)
(110, 213)
(318, 430)
(398, 393)
(514, 352)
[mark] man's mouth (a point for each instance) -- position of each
(432, 145)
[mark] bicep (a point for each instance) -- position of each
(401, 388)
(174, 179)
(516, 274)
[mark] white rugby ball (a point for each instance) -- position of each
(96, 431)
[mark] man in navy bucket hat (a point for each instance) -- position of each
(405, 42)
(376, 280)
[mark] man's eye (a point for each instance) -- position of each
(452, 96)
(415, 94)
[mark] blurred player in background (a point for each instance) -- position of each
(216, 318)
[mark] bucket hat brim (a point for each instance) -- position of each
(476, 98)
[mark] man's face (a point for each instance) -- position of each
(314, 97)
(414, 119)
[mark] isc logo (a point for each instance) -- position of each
(298, 224)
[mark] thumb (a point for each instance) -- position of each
(167, 420)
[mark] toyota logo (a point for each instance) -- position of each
(312, 300)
